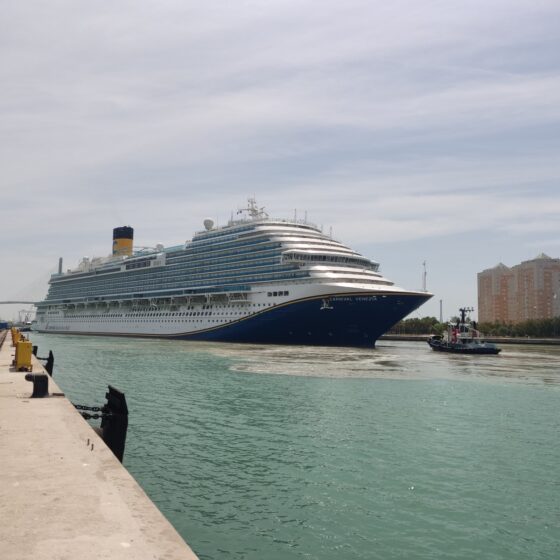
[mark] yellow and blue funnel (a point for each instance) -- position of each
(122, 241)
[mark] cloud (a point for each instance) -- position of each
(389, 121)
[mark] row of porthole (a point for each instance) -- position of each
(140, 325)
(103, 320)
(127, 320)
(143, 316)
(136, 323)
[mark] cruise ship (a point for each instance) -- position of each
(256, 279)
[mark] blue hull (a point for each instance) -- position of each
(350, 320)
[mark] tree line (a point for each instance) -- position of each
(425, 325)
(536, 328)
(539, 328)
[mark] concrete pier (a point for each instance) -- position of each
(63, 494)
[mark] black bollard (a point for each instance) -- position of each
(40, 385)
(115, 422)
(50, 363)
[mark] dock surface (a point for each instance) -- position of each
(63, 494)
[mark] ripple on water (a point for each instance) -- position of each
(278, 452)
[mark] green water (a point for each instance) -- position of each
(267, 452)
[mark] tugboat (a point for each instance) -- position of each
(462, 338)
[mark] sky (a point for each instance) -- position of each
(420, 131)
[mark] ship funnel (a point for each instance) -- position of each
(122, 241)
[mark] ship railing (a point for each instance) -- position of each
(150, 299)
(267, 219)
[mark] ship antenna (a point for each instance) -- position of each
(464, 311)
(424, 275)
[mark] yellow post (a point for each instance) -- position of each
(24, 351)
(14, 342)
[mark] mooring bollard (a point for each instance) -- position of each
(49, 362)
(114, 420)
(115, 424)
(40, 385)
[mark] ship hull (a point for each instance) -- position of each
(339, 320)
(345, 321)
(457, 348)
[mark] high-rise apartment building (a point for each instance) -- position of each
(530, 290)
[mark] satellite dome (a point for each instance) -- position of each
(208, 223)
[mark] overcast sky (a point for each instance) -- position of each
(419, 130)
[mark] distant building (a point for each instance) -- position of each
(530, 290)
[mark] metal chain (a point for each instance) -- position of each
(92, 408)
(96, 416)
(97, 409)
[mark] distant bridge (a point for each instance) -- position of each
(11, 302)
